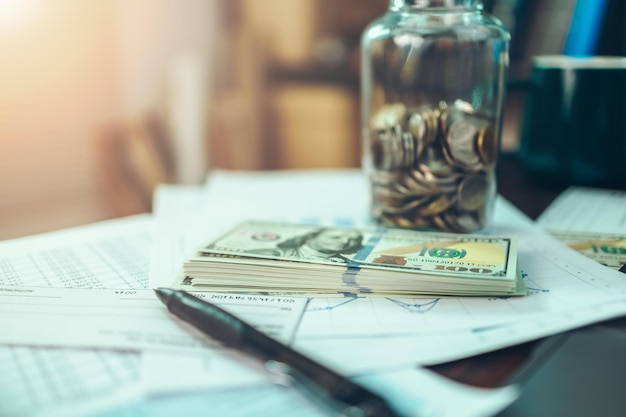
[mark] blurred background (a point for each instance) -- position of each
(102, 100)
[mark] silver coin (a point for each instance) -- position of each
(389, 115)
(417, 126)
(430, 167)
(391, 157)
(472, 191)
(463, 106)
(464, 222)
(423, 125)
(408, 149)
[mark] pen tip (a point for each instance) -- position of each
(163, 293)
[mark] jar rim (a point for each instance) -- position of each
(579, 62)
(422, 4)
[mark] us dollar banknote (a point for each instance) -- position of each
(607, 249)
(460, 255)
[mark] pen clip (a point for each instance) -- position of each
(283, 374)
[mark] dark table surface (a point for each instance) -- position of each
(532, 196)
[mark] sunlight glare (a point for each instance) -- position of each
(17, 13)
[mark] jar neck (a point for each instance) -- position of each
(397, 5)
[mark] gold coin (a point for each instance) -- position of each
(404, 207)
(436, 206)
(415, 189)
(402, 221)
(419, 176)
(487, 145)
(395, 220)
(439, 175)
(440, 223)
(420, 222)
(416, 181)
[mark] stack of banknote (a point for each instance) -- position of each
(302, 259)
(607, 249)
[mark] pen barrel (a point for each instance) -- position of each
(324, 381)
(233, 332)
(209, 319)
(236, 333)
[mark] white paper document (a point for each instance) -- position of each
(126, 319)
(109, 254)
(266, 400)
(187, 216)
(584, 209)
(45, 381)
(591, 221)
(77, 303)
(364, 334)
(415, 392)
(53, 286)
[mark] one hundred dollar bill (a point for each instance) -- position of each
(606, 249)
(408, 251)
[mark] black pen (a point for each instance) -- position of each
(334, 390)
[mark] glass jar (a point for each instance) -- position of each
(433, 75)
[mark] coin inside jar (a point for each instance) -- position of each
(390, 143)
(487, 145)
(472, 191)
(436, 206)
(461, 143)
(423, 125)
(388, 116)
(433, 166)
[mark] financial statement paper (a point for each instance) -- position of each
(586, 209)
(361, 334)
(95, 277)
(46, 381)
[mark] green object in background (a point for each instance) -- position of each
(574, 123)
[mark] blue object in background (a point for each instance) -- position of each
(585, 28)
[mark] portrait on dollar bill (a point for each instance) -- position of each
(323, 244)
